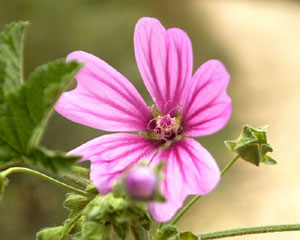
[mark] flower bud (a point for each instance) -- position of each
(252, 145)
(141, 183)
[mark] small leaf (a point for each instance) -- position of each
(166, 232)
(269, 161)
(11, 57)
(6, 153)
(54, 161)
(43, 89)
(230, 145)
(50, 233)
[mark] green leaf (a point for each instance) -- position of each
(186, 236)
(24, 114)
(50, 233)
(269, 161)
(6, 153)
(43, 89)
(25, 107)
(53, 161)
(166, 232)
(11, 58)
(16, 124)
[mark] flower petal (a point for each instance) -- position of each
(165, 61)
(209, 106)
(103, 99)
(190, 169)
(112, 154)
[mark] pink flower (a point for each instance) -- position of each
(184, 105)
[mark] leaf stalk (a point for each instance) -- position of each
(43, 176)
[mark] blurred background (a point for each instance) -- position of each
(258, 41)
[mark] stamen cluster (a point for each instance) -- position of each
(164, 126)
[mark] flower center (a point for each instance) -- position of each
(164, 127)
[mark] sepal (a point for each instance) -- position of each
(75, 202)
(50, 233)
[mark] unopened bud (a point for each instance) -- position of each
(141, 183)
(252, 145)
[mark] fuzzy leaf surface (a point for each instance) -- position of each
(11, 57)
(24, 113)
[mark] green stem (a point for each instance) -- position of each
(229, 165)
(183, 210)
(43, 176)
(250, 230)
(9, 164)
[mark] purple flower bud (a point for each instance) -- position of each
(141, 183)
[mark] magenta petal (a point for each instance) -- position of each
(103, 99)
(209, 107)
(190, 170)
(112, 154)
(165, 61)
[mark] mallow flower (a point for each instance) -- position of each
(185, 105)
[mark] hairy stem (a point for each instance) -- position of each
(229, 165)
(250, 230)
(9, 164)
(43, 176)
(183, 210)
